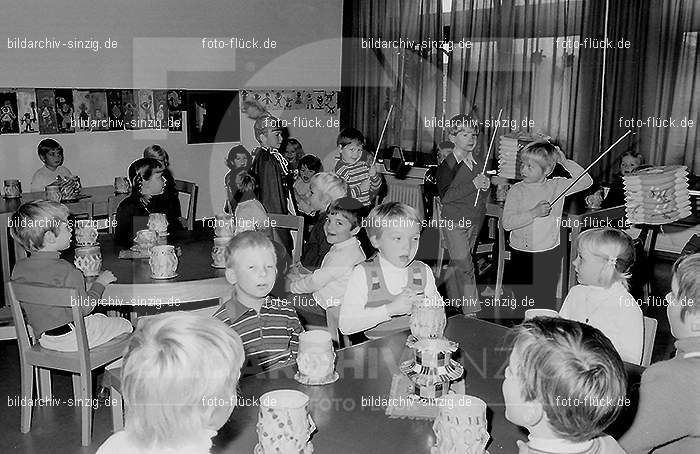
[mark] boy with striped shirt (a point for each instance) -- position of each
(363, 180)
(269, 327)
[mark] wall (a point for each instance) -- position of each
(159, 46)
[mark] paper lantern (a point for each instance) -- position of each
(316, 358)
(163, 262)
(12, 189)
(88, 260)
(432, 369)
(461, 426)
(158, 223)
(218, 252)
(85, 233)
(284, 423)
(121, 185)
(428, 318)
(657, 195)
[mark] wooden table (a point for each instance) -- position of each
(345, 425)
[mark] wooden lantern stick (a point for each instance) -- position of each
(381, 137)
(488, 152)
(585, 171)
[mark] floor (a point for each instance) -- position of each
(56, 429)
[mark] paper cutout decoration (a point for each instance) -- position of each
(27, 111)
(176, 104)
(160, 107)
(81, 110)
(131, 109)
(47, 111)
(64, 110)
(147, 115)
(115, 110)
(98, 111)
(9, 120)
(657, 195)
(213, 116)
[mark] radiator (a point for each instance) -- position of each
(410, 194)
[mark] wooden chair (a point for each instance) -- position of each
(650, 325)
(290, 222)
(192, 190)
(80, 363)
(113, 202)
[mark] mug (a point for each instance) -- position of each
(532, 313)
(88, 259)
(163, 262)
(52, 193)
(12, 189)
(121, 185)
(284, 423)
(316, 358)
(218, 252)
(461, 426)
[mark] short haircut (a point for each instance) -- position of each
(140, 170)
(330, 185)
(390, 213)
(348, 136)
(349, 208)
(32, 220)
(247, 182)
(462, 122)
(235, 151)
(264, 124)
(311, 162)
(245, 240)
(47, 145)
(608, 244)
(686, 272)
(290, 143)
(155, 151)
(174, 364)
(563, 364)
(542, 152)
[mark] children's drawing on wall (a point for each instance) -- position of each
(9, 122)
(64, 110)
(47, 111)
(175, 107)
(27, 111)
(98, 111)
(213, 116)
(146, 112)
(81, 110)
(115, 110)
(160, 106)
(130, 108)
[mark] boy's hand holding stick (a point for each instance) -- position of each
(488, 153)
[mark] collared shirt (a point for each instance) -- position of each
(270, 337)
(468, 160)
(604, 444)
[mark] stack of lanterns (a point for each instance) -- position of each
(509, 146)
(88, 257)
(657, 195)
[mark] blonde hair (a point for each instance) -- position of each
(330, 185)
(390, 213)
(543, 153)
(686, 272)
(32, 220)
(244, 240)
(615, 248)
(176, 364)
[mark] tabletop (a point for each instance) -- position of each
(350, 421)
(95, 193)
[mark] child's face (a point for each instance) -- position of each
(240, 161)
(271, 138)
(588, 268)
(628, 164)
(290, 154)
(398, 243)
(317, 200)
(465, 139)
(351, 153)
(338, 229)
(532, 170)
(305, 173)
(254, 272)
(516, 406)
(155, 184)
(53, 159)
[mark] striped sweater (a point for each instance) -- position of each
(270, 337)
(354, 175)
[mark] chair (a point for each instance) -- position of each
(290, 222)
(650, 325)
(191, 189)
(113, 202)
(80, 363)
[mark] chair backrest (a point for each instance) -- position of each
(113, 202)
(192, 190)
(28, 294)
(649, 337)
(437, 216)
(296, 223)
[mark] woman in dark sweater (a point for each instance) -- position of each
(170, 197)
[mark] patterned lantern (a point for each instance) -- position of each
(284, 423)
(657, 195)
(218, 252)
(316, 358)
(432, 368)
(121, 185)
(428, 318)
(88, 259)
(163, 262)
(85, 233)
(158, 223)
(460, 427)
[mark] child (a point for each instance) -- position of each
(363, 181)
(329, 282)
(534, 223)
(170, 196)
(324, 188)
(249, 214)
(628, 163)
(309, 165)
(238, 161)
(602, 300)
(459, 180)
(51, 154)
(42, 228)
(292, 151)
(430, 189)
(669, 398)
(565, 384)
(179, 383)
(268, 327)
(388, 284)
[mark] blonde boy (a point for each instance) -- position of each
(386, 286)
(179, 383)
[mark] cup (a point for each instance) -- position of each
(85, 233)
(460, 426)
(157, 222)
(218, 252)
(12, 189)
(163, 262)
(121, 185)
(316, 358)
(88, 259)
(284, 423)
(428, 318)
(52, 193)
(532, 313)
(146, 239)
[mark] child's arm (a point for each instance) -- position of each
(294, 338)
(515, 216)
(575, 170)
(375, 181)
(317, 280)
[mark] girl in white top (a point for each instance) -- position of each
(602, 300)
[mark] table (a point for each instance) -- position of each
(345, 425)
